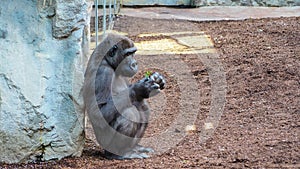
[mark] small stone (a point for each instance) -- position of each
(208, 126)
(190, 128)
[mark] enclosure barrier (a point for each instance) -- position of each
(112, 13)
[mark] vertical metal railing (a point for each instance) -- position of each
(116, 5)
(104, 17)
(96, 21)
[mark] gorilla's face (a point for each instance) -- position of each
(120, 58)
(128, 67)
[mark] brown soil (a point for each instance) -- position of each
(260, 124)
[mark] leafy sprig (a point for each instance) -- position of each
(148, 73)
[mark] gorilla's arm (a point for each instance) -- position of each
(115, 104)
(108, 93)
(147, 87)
(110, 105)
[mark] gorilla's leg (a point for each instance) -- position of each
(127, 129)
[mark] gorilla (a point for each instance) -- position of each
(117, 109)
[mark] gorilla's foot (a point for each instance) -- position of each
(129, 155)
(142, 149)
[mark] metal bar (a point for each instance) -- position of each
(104, 17)
(110, 14)
(115, 6)
(96, 21)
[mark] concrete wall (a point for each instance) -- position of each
(43, 50)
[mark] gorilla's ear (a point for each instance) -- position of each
(112, 51)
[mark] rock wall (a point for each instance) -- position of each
(266, 3)
(44, 46)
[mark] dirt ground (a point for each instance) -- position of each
(260, 125)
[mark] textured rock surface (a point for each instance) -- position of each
(43, 50)
(269, 3)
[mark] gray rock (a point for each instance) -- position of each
(44, 49)
(254, 3)
(276, 3)
(245, 3)
(224, 2)
(211, 2)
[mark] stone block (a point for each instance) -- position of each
(44, 48)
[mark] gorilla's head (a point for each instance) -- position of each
(120, 57)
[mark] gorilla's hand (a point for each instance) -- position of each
(158, 79)
(148, 86)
